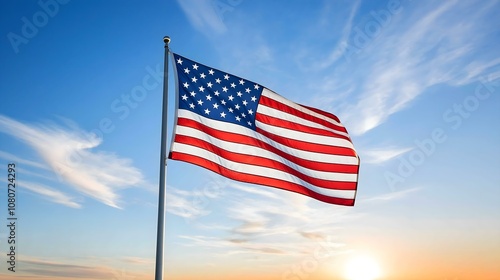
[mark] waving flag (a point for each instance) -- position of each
(246, 132)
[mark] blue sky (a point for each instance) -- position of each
(416, 83)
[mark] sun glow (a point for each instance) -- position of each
(362, 268)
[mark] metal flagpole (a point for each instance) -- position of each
(163, 166)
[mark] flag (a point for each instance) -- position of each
(248, 133)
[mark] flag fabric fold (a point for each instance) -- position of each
(246, 132)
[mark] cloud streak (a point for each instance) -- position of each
(425, 44)
(67, 150)
(51, 194)
(36, 268)
(205, 16)
(340, 49)
(381, 155)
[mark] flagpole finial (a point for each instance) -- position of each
(166, 40)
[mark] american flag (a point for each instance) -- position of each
(248, 133)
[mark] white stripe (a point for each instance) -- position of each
(234, 128)
(260, 171)
(268, 111)
(257, 151)
(306, 137)
(271, 94)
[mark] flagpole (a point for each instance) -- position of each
(160, 235)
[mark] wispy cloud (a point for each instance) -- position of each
(230, 247)
(423, 45)
(392, 195)
(186, 204)
(339, 50)
(136, 260)
(59, 269)
(68, 151)
(261, 218)
(377, 156)
(205, 16)
(36, 268)
(13, 158)
(50, 194)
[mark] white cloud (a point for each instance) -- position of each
(392, 195)
(13, 158)
(206, 16)
(423, 45)
(377, 156)
(186, 204)
(340, 49)
(261, 218)
(80, 268)
(68, 151)
(50, 194)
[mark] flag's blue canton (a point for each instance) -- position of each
(215, 94)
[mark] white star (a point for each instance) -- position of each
(231, 110)
(193, 93)
(186, 70)
(223, 114)
(223, 102)
(200, 102)
(242, 82)
(191, 106)
(195, 66)
(245, 102)
(216, 106)
(233, 85)
(207, 111)
(247, 90)
(202, 75)
(237, 106)
(254, 98)
(209, 97)
(250, 112)
(226, 77)
(244, 115)
(211, 71)
(238, 118)
(224, 89)
(194, 79)
(202, 88)
(217, 80)
(249, 123)
(256, 86)
(217, 93)
(186, 85)
(230, 97)
(179, 60)
(209, 84)
(184, 97)
(239, 93)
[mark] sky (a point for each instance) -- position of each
(416, 83)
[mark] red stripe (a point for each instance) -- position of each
(247, 140)
(297, 127)
(321, 112)
(254, 179)
(308, 146)
(264, 162)
(285, 108)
